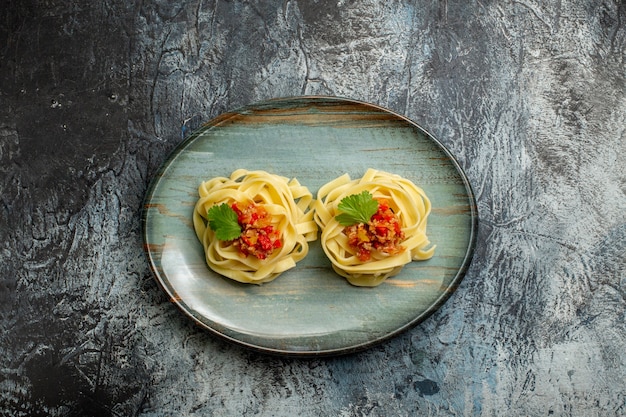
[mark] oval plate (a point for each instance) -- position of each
(308, 310)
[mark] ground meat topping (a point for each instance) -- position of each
(258, 236)
(383, 233)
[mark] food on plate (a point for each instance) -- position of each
(372, 226)
(254, 225)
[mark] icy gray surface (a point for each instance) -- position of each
(530, 97)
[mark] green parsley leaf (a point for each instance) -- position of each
(223, 221)
(356, 208)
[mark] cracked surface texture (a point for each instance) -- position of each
(530, 98)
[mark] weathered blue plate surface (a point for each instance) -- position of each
(308, 310)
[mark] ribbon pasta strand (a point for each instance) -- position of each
(289, 205)
(407, 201)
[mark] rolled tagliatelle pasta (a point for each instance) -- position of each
(254, 225)
(372, 226)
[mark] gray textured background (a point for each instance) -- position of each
(530, 97)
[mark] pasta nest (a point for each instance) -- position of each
(408, 202)
(289, 205)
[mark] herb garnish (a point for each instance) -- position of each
(224, 222)
(356, 208)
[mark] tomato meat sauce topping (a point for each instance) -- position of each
(382, 233)
(258, 237)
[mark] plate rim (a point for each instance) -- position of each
(354, 348)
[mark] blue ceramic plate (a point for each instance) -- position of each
(308, 310)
